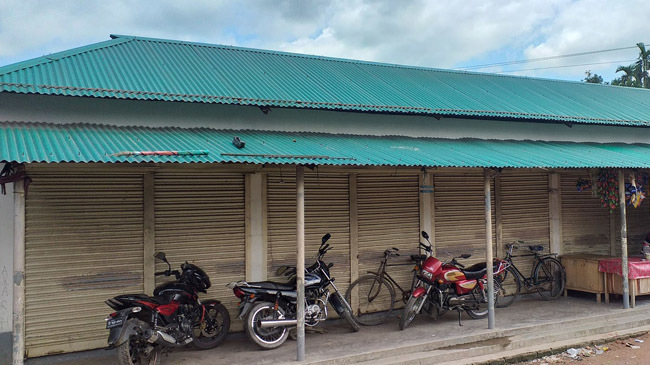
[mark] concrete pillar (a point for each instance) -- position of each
(488, 247)
(256, 240)
(300, 259)
(6, 270)
(555, 212)
(19, 275)
(624, 267)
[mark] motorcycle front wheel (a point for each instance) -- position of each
(135, 351)
(410, 310)
(212, 331)
(270, 337)
(346, 312)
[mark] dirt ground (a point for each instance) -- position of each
(614, 353)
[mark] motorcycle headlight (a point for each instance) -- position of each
(427, 275)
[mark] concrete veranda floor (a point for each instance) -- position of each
(339, 340)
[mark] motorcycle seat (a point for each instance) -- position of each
(536, 248)
(476, 271)
(272, 285)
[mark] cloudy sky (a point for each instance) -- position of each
(442, 34)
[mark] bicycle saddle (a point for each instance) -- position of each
(536, 248)
(418, 258)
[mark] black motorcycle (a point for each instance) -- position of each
(144, 327)
(269, 308)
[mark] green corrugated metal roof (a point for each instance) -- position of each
(38, 142)
(156, 69)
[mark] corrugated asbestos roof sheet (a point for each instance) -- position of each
(155, 69)
(38, 142)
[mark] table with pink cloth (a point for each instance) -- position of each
(637, 267)
(638, 275)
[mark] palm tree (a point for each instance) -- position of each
(642, 65)
(630, 77)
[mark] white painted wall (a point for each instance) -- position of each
(6, 256)
(60, 109)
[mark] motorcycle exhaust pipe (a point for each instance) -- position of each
(163, 338)
(279, 323)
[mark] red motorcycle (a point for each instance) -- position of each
(449, 285)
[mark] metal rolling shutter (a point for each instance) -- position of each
(638, 226)
(524, 213)
(84, 244)
(389, 216)
(585, 223)
(200, 218)
(327, 210)
(460, 215)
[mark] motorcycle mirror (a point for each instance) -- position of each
(160, 256)
(325, 238)
(425, 235)
(465, 256)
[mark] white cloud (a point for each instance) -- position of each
(417, 32)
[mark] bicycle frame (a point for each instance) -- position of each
(528, 281)
(381, 272)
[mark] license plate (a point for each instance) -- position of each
(115, 322)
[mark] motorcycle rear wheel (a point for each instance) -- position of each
(265, 338)
(129, 353)
(214, 328)
(482, 310)
(410, 311)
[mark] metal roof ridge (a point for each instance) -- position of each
(312, 133)
(395, 108)
(21, 65)
(345, 60)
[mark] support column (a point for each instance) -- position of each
(354, 238)
(488, 248)
(624, 267)
(256, 238)
(149, 233)
(19, 274)
(426, 192)
(498, 218)
(300, 259)
(555, 212)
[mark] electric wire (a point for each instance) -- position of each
(552, 67)
(508, 63)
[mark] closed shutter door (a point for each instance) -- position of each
(200, 218)
(327, 210)
(524, 214)
(389, 216)
(84, 244)
(585, 223)
(638, 226)
(460, 215)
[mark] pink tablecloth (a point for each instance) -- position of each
(637, 268)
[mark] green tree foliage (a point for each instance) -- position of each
(636, 74)
(592, 78)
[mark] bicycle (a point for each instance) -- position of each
(372, 304)
(548, 276)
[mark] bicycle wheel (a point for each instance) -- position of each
(509, 287)
(375, 299)
(550, 278)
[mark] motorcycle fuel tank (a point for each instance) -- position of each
(312, 280)
(173, 291)
(452, 274)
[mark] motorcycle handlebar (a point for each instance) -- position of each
(158, 273)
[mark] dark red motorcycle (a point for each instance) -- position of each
(449, 285)
(143, 327)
